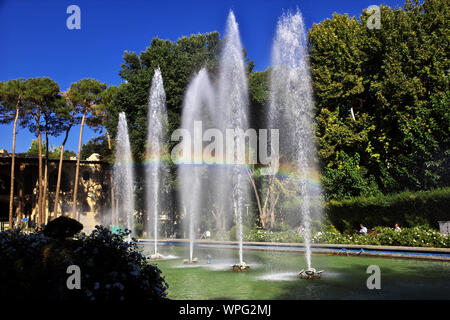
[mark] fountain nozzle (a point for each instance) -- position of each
(187, 261)
(310, 274)
(156, 256)
(240, 267)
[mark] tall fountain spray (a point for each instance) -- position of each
(232, 114)
(198, 101)
(155, 166)
(123, 177)
(291, 111)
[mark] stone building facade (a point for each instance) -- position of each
(93, 189)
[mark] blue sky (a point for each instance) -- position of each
(35, 41)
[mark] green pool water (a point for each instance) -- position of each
(273, 275)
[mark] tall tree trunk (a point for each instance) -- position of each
(20, 213)
(11, 193)
(258, 200)
(58, 182)
(77, 170)
(21, 195)
(116, 217)
(272, 210)
(265, 209)
(45, 192)
(40, 170)
(352, 113)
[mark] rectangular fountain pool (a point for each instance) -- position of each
(274, 275)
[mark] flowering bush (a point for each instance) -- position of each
(259, 235)
(34, 266)
(21, 264)
(416, 237)
(411, 237)
(271, 236)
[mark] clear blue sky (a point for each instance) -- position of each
(35, 41)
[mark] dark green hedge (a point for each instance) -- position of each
(408, 209)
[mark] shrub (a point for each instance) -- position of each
(220, 235)
(348, 179)
(34, 267)
(411, 237)
(139, 229)
(406, 208)
(416, 237)
(260, 235)
(234, 235)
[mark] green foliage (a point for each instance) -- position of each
(34, 267)
(139, 229)
(86, 93)
(395, 79)
(85, 96)
(178, 62)
(41, 105)
(234, 232)
(101, 111)
(411, 237)
(100, 115)
(406, 208)
(220, 235)
(348, 179)
(12, 93)
(96, 145)
(258, 89)
(418, 236)
(415, 237)
(114, 269)
(260, 235)
(34, 148)
(282, 234)
(427, 135)
(53, 153)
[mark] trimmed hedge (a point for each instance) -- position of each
(407, 209)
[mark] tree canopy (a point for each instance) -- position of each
(395, 80)
(178, 62)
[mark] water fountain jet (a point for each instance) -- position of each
(233, 102)
(123, 177)
(197, 110)
(291, 110)
(155, 170)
